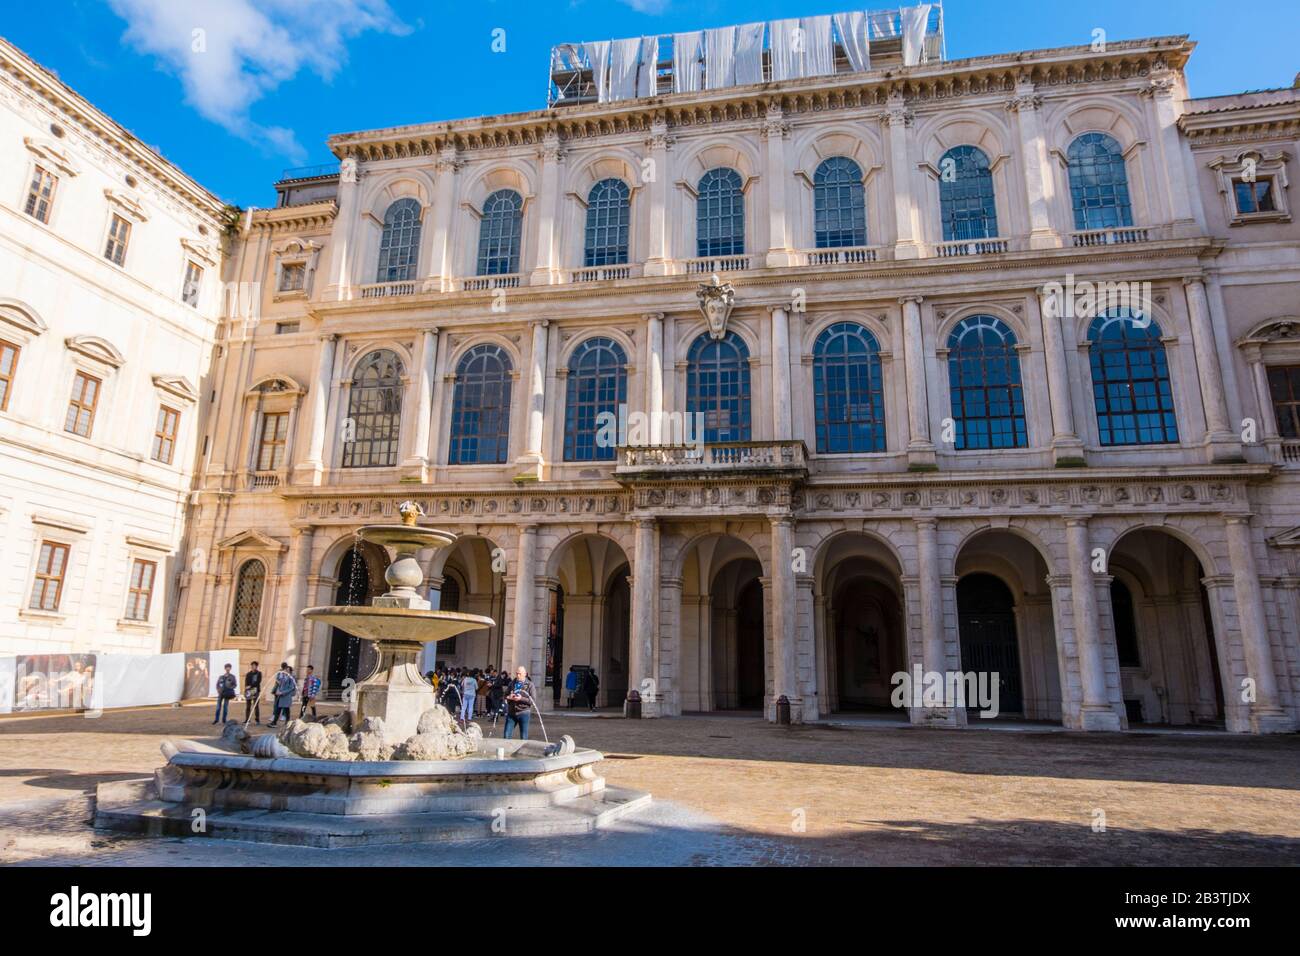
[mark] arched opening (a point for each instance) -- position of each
(360, 577)
(468, 576)
(1006, 626)
(589, 621)
(1165, 638)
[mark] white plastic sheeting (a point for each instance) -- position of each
(137, 680)
(852, 28)
(647, 77)
(598, 58)
(720, 58)
(786, 40)
(686, 61)
(914, 20)
(749, 53)
(624, 58)
(819, 48)
(7, 684)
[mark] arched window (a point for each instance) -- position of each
(375, 411)
(988, 405)
(480, 408)
(717, 386)
(1098, 183)
(720, 214)
(839, 204)
(399, 246)
(597, 383)
(966, 195)
(607, 219)
(1130, 380)
(248, 599)
(500, 233)
(848, 395)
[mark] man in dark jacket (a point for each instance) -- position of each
(227, 688)
(519, 704)
(253, 694)
(590, 688)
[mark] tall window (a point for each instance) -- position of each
(1130, 380)
(480, 408)
(597, 383)
(293, 276)
(164, 434)
(607, 223)
(139, 594)
(1254, 195)
(248, 599)
(1284, 386)
(717, 386)
(1098, 183)
(399, 246)
(40, 195)
(81, 407)
(375, 410)
(51, 567)
(988, 405)
(966, 202)
(8, 368)
(448, 600)
(720, 214)
(190, 287)
(1126, 639)
(270, 443)
(848, 393)
(839, 204)
(500, 233)
(119, 231)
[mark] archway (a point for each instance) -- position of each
(589, 620)
(1165, 638)
(1006, 626)
(468, 577)
(360, 578)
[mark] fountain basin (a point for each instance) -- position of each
(397, 624)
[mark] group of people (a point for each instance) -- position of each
(286, 686)
(470, 692)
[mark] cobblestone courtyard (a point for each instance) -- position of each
(735, 790)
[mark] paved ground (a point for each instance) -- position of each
(735, 790)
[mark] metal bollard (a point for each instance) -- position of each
(632, 706)
(783, 710)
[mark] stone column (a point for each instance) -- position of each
(654, 378)
(343, 238)
(1223, 444)
(1165, 94)
(1266, 713)
(309, 471)
(442, 265)
(1095, 710)
(920, 450)
(782, 399)
(416, 466)
(785, 672)
(644, 595)
(1067, 448)
(546, 271)
(899, 125)
(1026, 104)
(658, 143)
(775, 130)
(930, 592)
(525, 638)
(531, 462)
(297, 645)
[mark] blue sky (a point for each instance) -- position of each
(276, 77)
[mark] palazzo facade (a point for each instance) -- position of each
(924, 445)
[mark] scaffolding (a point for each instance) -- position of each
(573, 81)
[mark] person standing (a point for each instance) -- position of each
(451, 695)
(227, 688)
(590, 687)
(519, 704)
(253, 694)
(468, 694)
(285, 685)
(310, 688)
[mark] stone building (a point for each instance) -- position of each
(928, 439)
(110, 267)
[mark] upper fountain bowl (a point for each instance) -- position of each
(404, 538)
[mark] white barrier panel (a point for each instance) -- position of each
(217, 661)
(7, 684)
(137, 680)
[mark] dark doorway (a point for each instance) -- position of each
(986, 625)
(617, 639)
(749, 647)
(555, 643)
(350, 658)
(869, 647)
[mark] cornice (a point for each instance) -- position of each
(304, 218)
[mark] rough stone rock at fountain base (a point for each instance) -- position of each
(435, 747)
(343, 721)
(316, 740)
(372, 742)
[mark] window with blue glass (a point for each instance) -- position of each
(839, 204)
(720, 214)
(500, 234)
(717, 387)
(597, 384)
(480, 408)
(848, 391)
(607, 222)
(988, 403)
(1130, 380)
(399, 244)
(966, 202)
(1098, 183)
(375, 409)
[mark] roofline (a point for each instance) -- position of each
(68, 101)
(1176, 49)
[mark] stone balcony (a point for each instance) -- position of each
(718, 460)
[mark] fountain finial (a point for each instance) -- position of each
(410, 512)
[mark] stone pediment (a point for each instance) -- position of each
(1287, 539)
(176, 385)
(53, 154)
(21, 316)
(93, 347)
(251, 540)
(204, 252)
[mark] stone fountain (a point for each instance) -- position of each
(396, 768)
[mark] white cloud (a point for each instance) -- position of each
(230, 54)
(652, 7)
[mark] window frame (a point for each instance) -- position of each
(825, 391)
(134, 590)
(1291, 403)
(75, 402)
(579, 406)
(1153, 344)
(113, 240)
(279, 441)
(192, 288)
(736, 400)
(989, 204)
(385, 423)
(41, 578)
(7, 379)
(399, 242)
(166, 414)
(850, 193)
(492, 239)
(457, 439)
(965, 395)
(709, 208)
(237, 605)
(33, 198)
(606, 217)
(1115, 195)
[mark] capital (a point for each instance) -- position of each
(912, 299)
